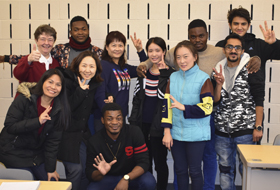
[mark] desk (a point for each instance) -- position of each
(261, 166)
(47, 185)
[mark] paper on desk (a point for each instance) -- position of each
(32, 185)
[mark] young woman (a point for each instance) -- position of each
(186, 116)
(116, 74)
(147, 107)
(33, 126)
(82, 80)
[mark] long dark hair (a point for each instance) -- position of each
(158, 41)
(112, 36)
(65, 114)
(77, 61)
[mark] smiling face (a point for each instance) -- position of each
(233, 56)
(239, 26)
(185, 58)
(155, 53)
(87, 68)
(45, 44)
(113, 122)
(115, 50)
(198, 37)
(52, 86)
(79, 31)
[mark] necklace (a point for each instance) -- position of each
(115, 156)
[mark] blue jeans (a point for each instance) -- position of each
(210, 159)
(75, 173)
(144, 182)
(226, 150)
(187, 161)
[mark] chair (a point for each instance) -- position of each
(277, 140)
(10, 173)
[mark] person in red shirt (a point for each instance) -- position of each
(31, 67)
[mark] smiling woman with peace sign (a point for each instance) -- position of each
(33, 126)
(82, 80)
(147, 107)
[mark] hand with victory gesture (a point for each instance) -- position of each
(102, 165)
(220, 79)
(34, 55)
(83, 84)
(268, 34)
(45, 116)
(176, 104)
(137, 43)
(161, 64)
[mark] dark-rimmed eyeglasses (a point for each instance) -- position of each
(230, 48)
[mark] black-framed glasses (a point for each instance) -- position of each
(230, 48)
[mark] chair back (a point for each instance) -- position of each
(17, 174)
(277, 140)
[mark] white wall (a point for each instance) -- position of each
(17, 16)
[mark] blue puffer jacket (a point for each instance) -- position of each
(185, 87)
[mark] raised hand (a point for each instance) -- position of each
(268, 34)
(83, 84)
(34, 55)
(102, 165)
(220, 79)
(45, 116)
(161, 64)
(137, 43)
(176, 104)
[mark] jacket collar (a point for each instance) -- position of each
(191, 71)
(244, 60)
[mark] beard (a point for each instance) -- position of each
(233, 60)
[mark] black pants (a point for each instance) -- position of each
(158, 153)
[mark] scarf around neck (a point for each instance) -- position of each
(79, 46)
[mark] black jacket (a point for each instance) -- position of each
(255, 46)
(130, 150)
(81, 103)
(138, 100)
(20, 144)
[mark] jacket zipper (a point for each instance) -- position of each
(181, 120)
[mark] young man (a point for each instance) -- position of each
(239, 22)
(117, 156)
(239, 98)
(209, 56)
(65, 53)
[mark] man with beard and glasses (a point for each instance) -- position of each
(117, 155)
(65, 53)
(239, 97)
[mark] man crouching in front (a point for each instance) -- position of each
(117, 156)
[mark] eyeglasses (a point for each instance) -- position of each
(230, 48)
(50, 40)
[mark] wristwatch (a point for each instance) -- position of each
(126, 177)
(258, 128)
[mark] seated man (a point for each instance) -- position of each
(239, 98)
(117, 156)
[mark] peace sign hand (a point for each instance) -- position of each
(176, 104)
(161, 64)
(137, 43)
(34, 55)
(45, 116)
(268, 34)
(83, 85)
(220, 79)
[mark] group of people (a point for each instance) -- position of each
(197, 100)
